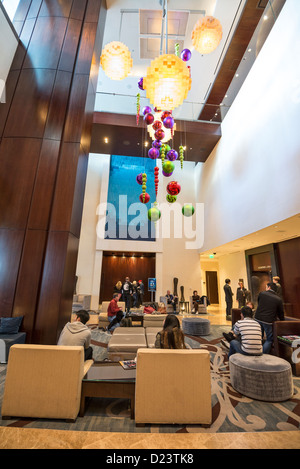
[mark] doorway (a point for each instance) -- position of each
(212, 286)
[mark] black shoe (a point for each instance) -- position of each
(229, 337)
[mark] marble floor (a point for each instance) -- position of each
(27, 438)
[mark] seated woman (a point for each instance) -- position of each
(196, 301)
(171, 337)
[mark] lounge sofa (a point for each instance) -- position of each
(44, 381)
(173, 387)
(103, 321)
(150, 320)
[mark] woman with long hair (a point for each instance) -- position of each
(171, 336)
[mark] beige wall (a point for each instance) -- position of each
(251, 179)
(8, 46)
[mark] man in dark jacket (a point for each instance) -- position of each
(228, 298)
(270, 307)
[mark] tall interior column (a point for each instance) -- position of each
(45, 132)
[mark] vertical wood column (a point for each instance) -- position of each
(45, 132)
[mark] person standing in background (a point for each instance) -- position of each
(276, 280)
(127, 293)
(241, 295)
(228, 298)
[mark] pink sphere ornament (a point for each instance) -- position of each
(153, 153)
(186, 55)
(149, 118)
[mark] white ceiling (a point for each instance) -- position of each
(123, 24)
(279, 232)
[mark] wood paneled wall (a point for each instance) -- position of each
(288, 255)
(118, 268)
(45, 134)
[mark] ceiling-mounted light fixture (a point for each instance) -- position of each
(207, 34)
(168, 78)
(116, 60)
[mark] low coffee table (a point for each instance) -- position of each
(108, 380)
(137, 317)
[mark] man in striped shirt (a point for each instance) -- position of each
(248, 335)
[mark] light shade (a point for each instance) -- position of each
(167, 82)
(207, 34)
(116, 60)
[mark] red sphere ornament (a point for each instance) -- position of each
(159, 134)
(144, 198)
(149, 118)
(173, 188)
(165, 114)
(157, 125)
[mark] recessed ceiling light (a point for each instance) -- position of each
(105, 139)
(237, 75)
(265, 17)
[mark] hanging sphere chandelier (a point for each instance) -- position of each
(167, 82)
(116, 60)
(207, 34)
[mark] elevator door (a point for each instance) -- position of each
(212, 286)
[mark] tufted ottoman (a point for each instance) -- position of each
(196, 326)
(265, 377)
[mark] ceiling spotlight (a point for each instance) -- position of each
(106, 140)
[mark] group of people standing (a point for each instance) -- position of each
(243, 296)
(255, 325)
(132, 293)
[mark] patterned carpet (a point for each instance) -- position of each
(232, 412)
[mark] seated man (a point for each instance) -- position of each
(248, 336)
(77, 333)
(196, 301)
(114, 313)
(172, 300)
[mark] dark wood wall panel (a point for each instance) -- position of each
(44, 147)
(288, 253)
(118, 268)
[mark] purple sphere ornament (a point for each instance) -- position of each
(149, 118)
(139, 179)
(153, 153)
(141, 83)
(146, 110)
(169, 122)
(172, 155)
(166, 174)
(186, 55)
(157, 144)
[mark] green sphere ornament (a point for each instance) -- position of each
(188, 210)
(154, 214)
(171, 198)
(168, 166)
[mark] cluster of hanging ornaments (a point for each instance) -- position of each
(160, 121)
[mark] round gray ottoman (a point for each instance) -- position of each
(266, 377)
(196, 326)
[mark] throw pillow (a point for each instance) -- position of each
(10, 325)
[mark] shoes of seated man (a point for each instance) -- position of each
(229, 337)
(225, 344)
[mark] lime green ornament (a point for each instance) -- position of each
(144, 179)
(168, 167)
(188, 210)
(154, 214)
(163, 153)
(171, 198)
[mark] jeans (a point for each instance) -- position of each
(115, 321)
(236, 347)
(268, 329)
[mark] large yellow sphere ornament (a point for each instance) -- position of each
(207, 34)
(116, 60)
(167, 82)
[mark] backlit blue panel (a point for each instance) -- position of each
(126, 216)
